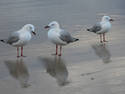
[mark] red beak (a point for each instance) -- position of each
(46, 27)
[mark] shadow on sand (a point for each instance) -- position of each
(56, 68)
(101, 50)
(19, 71)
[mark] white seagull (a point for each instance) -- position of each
(20, 38)
(58, 36)
(102, 27)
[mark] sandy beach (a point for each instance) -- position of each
(85, 67)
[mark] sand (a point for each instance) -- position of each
(85, 67)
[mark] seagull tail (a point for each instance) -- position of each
(75, 39)
(91, 30)
(88, 29)
(4, 41)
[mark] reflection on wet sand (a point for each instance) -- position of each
(102, 51)
(19, 71)
(56, 68)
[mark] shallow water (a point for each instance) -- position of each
(85, 66)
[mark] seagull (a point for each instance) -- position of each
(102, 27)
(58, 36)
(20, 38)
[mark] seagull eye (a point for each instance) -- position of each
(30, 28)
(53, 24)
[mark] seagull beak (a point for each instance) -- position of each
(46, 27)
(34, 33)
(111, 20)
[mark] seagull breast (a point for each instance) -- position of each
(106, 26)
(24, 38)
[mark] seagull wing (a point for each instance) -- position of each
(97, 27)
(66, 37)
(14, 37)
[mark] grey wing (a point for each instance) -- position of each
(97, 27)
(66, 37)
(14, 37)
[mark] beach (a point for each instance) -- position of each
(85, 67)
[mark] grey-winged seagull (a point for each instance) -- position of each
(20, 38)
(102, 27)
(58, 36)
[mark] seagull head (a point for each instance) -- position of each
(53, 24)
(30, 28)
(107, 18)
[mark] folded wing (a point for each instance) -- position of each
(66, 37)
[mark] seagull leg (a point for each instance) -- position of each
(104, 40)
(60, 51)
(56, 49)
(101, 38)
(18, 52)
(22, 52)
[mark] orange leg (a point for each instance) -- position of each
(22, 51)
(56, 49)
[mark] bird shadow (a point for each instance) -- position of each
(101, 50)
(56, 68)
(18, 71)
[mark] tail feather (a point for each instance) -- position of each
(88, 29)
(4, 41)
(91, 30)
(75, 39)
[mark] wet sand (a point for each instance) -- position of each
(85, 66)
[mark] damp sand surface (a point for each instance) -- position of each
(85, 67)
